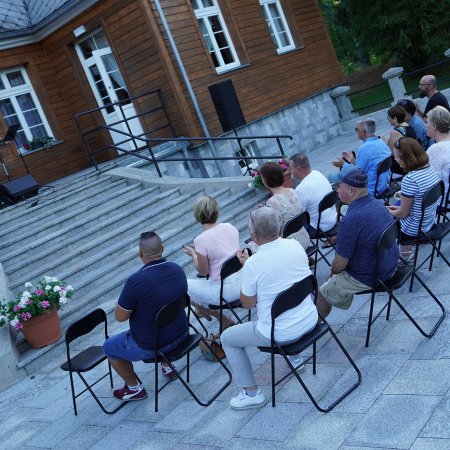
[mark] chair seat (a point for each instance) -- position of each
(304, 342)
(329, 233)
(439, 231)
(228, 305)
(86, 360)
(183, 349)
(397, 280)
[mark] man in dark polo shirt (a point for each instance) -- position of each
(354, 264)
(157, 283)
(428, 88)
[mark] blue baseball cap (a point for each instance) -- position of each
(354, 177)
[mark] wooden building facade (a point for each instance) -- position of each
(276, 52)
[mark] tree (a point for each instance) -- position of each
(415, 30)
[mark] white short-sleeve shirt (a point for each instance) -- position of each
(311, 190)
(276, 266)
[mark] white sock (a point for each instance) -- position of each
(135, 388)
(251, 393)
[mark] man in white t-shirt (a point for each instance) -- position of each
(312, 189)
(278, 264)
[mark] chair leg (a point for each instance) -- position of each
(369, 325)
(414, 322)
(272, 365)
(314, 358)
(156, 386)
(388, 312)
(74, 400)
(110, 375)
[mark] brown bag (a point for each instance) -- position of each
(217, 350)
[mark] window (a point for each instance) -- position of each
(216, 34)
(19, 104)
(278, 27)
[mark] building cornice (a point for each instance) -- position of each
(35, 34)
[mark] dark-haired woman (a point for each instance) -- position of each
(419, 177)
(285, 200)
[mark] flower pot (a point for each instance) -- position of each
(42, 330)
(287, 179)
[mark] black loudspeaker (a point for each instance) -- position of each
(227, 105)
(16, 190)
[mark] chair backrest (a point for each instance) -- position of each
(433, 194)
(295, 224)
(384, 166)
(388, 238)
(230, 266)
(293, 296)
(85, 325)
(330, 200)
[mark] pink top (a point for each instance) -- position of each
(217, 244)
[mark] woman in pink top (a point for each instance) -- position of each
(211, 249)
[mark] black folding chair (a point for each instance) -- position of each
(385, 195)
(289, 299)
(87, 359)
(330, 200)
(389, 238)
(296, 224)
(437, 232)
(229, 267)
(165, 315)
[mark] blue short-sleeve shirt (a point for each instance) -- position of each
(145, 292)
(357, 240)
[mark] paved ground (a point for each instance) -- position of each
(403, 401)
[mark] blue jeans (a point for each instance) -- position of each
(123, 346)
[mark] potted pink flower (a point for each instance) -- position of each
(37, 305)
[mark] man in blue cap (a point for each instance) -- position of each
(354, 266)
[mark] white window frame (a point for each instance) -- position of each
(274, 32)
(203, 14)
(11, 92)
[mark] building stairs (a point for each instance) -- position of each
(86, 231)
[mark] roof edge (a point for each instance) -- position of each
(46, 27)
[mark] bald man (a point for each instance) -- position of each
(427, 88)
(154, 285)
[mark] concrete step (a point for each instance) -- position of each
(40, 216)
(102, 217)
(54, 221)
(55, 196)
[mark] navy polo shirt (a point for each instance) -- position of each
(145, 292)
(357, 240)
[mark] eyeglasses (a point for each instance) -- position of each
(424, 84)
(397, 144)
(359, 129)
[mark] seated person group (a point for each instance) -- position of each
(278, 263)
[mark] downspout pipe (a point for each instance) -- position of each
(188, 85)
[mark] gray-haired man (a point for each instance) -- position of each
(276, 265)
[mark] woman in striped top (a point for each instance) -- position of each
(413, 159)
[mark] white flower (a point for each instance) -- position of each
(48, 287)
(56, 288)
(47, 279)
(23, 302)
(28, 285)
(69, 288)
(54, 280)
(14, 321)
(63, 300)
(250, 185)
(26, 294)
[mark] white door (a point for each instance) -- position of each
(109, 87)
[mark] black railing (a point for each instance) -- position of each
(142, 143)
(370, 106)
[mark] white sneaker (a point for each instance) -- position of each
(244, 401)
(297, 361)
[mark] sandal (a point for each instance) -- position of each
(202, 315)
(330, 242)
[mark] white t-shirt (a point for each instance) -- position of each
(311, 190)
(439, 155)
(217, 244)
(276, 266)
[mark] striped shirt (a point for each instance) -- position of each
(414, 185)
